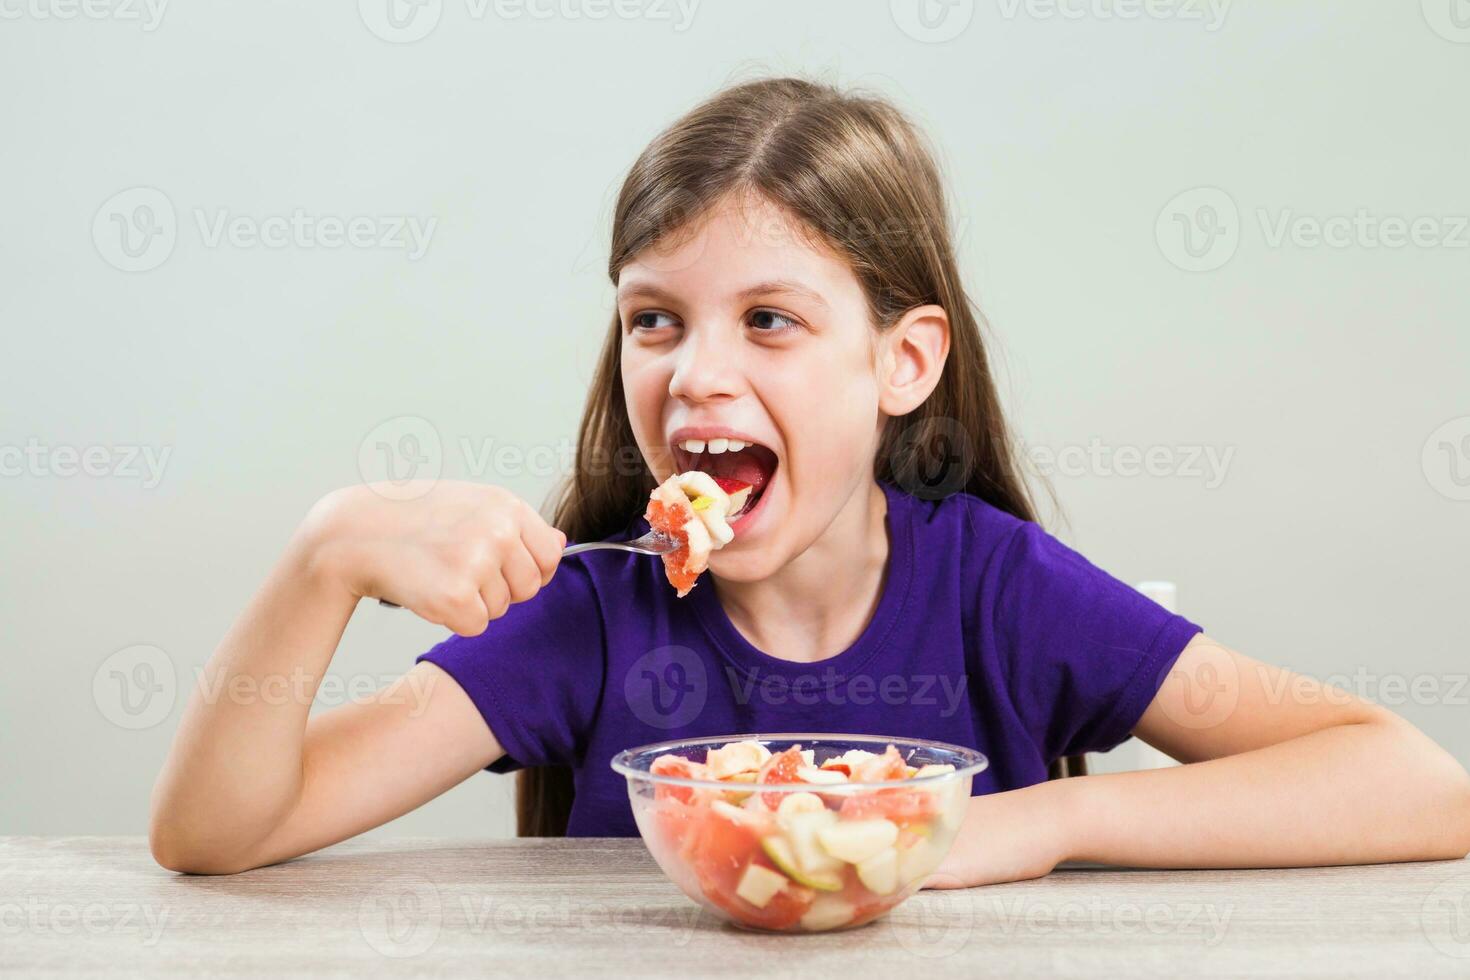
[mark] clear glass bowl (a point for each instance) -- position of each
(803, 867)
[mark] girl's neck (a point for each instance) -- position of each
(820, 602)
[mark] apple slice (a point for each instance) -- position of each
(827, 912)
(737, 490)
(879, 873)
(758, 885)
(881, 768)
(820, 777)
(855, 841)
(735, 758)
(919, 860)
(735, 795)
(849, 762)
(933, 769)
(756, 820)
(795, 803)
(801, 831)
(778, 849)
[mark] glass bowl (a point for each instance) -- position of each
(837, 857)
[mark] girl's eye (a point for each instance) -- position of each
(650, 320)
(771, 322)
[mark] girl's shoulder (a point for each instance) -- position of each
(961, 519)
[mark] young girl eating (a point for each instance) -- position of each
(790, 319)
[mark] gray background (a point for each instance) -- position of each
(1333, 542)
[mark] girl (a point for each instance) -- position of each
(785, 281)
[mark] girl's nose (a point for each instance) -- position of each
(705, 368)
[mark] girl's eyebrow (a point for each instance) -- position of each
(782, 286)
(650, 291)
(645, 290)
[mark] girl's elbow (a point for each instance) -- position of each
(175, 849)
(1460, 819)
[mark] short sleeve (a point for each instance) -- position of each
(1084, 653)
(536, 673)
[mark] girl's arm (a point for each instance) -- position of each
(1281, 771)
(249, 779)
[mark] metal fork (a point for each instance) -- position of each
(651, 543)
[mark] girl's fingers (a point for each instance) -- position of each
(467, 614)
(544, 543)
(496, 598)
(523, 578)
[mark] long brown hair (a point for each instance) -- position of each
(859, 178)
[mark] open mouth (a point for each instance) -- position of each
(730, 459)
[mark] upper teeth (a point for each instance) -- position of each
(714, 446)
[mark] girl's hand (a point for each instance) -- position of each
(458, 554)
(1007, 837)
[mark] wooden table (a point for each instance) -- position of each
(79, 906)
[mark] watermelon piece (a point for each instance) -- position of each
(680, 567)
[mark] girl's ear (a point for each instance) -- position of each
(911, 359)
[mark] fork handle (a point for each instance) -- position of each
(569, 550)
(577, 549)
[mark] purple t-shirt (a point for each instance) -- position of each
(989, 633)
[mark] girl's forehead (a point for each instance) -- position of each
(734, 247)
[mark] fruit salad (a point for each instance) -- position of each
(782, 841)
(694, 509)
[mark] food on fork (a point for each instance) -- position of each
(694, 508)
